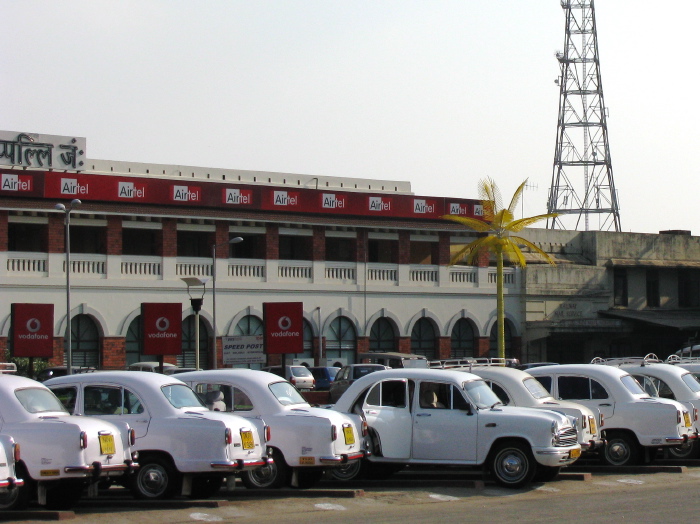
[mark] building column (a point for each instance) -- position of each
(482, 347)
(168, 248)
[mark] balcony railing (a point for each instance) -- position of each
(144, 267)
(463, 275)
(383, 273)
(423, 275)
(247, 270)
(296, 270)
(27, 263)
(341, 272)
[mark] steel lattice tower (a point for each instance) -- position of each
(582, 178)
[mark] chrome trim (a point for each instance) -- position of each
(242, 464)
(342, 459)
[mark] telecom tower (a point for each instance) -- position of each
(582, 178)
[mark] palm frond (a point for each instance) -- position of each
(512, 252)
(519, 225)
(472, 223)
(516, 197)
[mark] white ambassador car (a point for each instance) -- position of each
(445, 417)
(61, 454)
(305, 440)
(183, 447)
(636, 425)
(518, 388)
(9, 483)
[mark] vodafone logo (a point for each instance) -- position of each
(162, 324)
(284, 323)
(33, 325)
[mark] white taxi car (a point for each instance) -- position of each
(304, 440)
(61, 454)
(636, 424)
(518, 388)
(431, 416)
(183, 447)
(9, 483)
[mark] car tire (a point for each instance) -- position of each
(683, 452)
(206, 486)
(64, 495)
(353, 471)
(272, 476)
(513, 464)
(621, 449)
(156, 478)
(18, 497)
(546, 473)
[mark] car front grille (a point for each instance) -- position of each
(567, 437)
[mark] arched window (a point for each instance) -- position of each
(188, 358)
(493, 340)
(134, 346)
(462, 342)
(341, 340)
(423, 341)
(308, 353)
(382, 336)
(249, 325)
(85, 342)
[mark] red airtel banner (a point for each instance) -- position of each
(32, 330)
(284, 327)
(161, 328)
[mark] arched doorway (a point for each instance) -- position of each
(249, 325)
(85, 342)
(462, 340)
(382, 336)
(423, 340)
(188, 358)
(341, 340)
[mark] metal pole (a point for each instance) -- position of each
(235, 240)
(196, 339)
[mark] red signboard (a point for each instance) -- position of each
(32, 330)
(161, 327)
(284, 327)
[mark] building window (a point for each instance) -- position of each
(493, 340)
(188, 358)
(194, 243)
(340, 249)
(294, 247)
(88, 239)
(620, 287)
(653, 296)
(423, 339)
(140, 242)
(253, 246)
(462, 342)
(688, 288)
(382, 336)
(134, 347)
(383, 251)
(421, 253)
(85, 342)
(341, 340)
(26, 237)
(248, 325)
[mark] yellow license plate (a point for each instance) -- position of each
(107, 445)
(307, 461)
(247, 438)
(49, 473)
(574, 453)
(349, 435)
(686, 417)
(593, 427)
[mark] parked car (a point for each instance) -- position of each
(438, 417)
(666, 381)
(514, 387)
(61, 454)
(324, 377)
(395, 359)
(300, 376)
(152, 366)
(349, 374)
(9, 483)
(636, 425)
(304, 440)
(60, 371)
(183, 447)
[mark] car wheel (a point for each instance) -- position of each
(271, 476)
(206, 486)
(512, 464)
(621, 450)
(352, 471)
(546, 473)
(307, 477)
(156, 478)
(690, 451)
(18, 498)
(64, 495)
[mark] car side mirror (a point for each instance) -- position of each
(469, 411)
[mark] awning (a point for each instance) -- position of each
(682, 320)
(652, 263)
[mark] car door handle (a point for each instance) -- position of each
(422, 414)
(371, 412)
(607, 405)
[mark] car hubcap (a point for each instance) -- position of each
(618, 452)
(153, 481)
(512, 465)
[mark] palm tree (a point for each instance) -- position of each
(496, 237)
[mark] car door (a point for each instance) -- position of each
(111, 402)
(586, 391)
(442, 428)
(387, 410)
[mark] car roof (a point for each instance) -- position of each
(499, 371)
(581, 369)
(126, 378)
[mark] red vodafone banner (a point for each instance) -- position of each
(284, 327)
(161, 328)
(32, 330)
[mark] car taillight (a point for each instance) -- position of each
(132, 436)
(83, 440)
(334, 433)
(602, 421)
(15, 452)
(365, 428)
(293, 380)
(678, 417)
(268, 433)
(229, 436)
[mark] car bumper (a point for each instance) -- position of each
(10, 483)
(592, 444)
(243, 464)
(97, 469)
(683, 439)
(339, 460)
(555, 457)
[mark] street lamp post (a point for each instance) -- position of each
(196, 303)
(235, 240)
(67, 209)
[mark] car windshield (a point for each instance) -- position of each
(692, 382)
(286, 394)
(361, 371)
(301, 371)
(482, 395)
(536, 389)
(36, 400)
(181, 396)
(632, 385)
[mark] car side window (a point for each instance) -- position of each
(241, 401)
(67, 396)
(598, 391)
(458, 400)
(574, 388)
(389, 393)
(546, 383)
(102, 400)
(500, 393)
(433, 395)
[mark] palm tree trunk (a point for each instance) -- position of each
(500, 306)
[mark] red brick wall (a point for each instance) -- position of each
(362, 345)
(57, 359)
(221, 236)
(318, 246)
(113, 353)
(404, 247)
(169, 238)
(404, 345)
(361, 245)
(3, 230)
(442, 257)
(272, 242)
(57, 233)
(114, 235)
(482, 347)
(444, 347)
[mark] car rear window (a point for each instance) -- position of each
(361, 371)
(301, 371)
(37, 400)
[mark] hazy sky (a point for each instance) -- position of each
(440, 93)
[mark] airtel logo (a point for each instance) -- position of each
(33, 325)
(284, 323)
(162, 324)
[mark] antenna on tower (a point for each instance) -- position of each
(582, 178)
